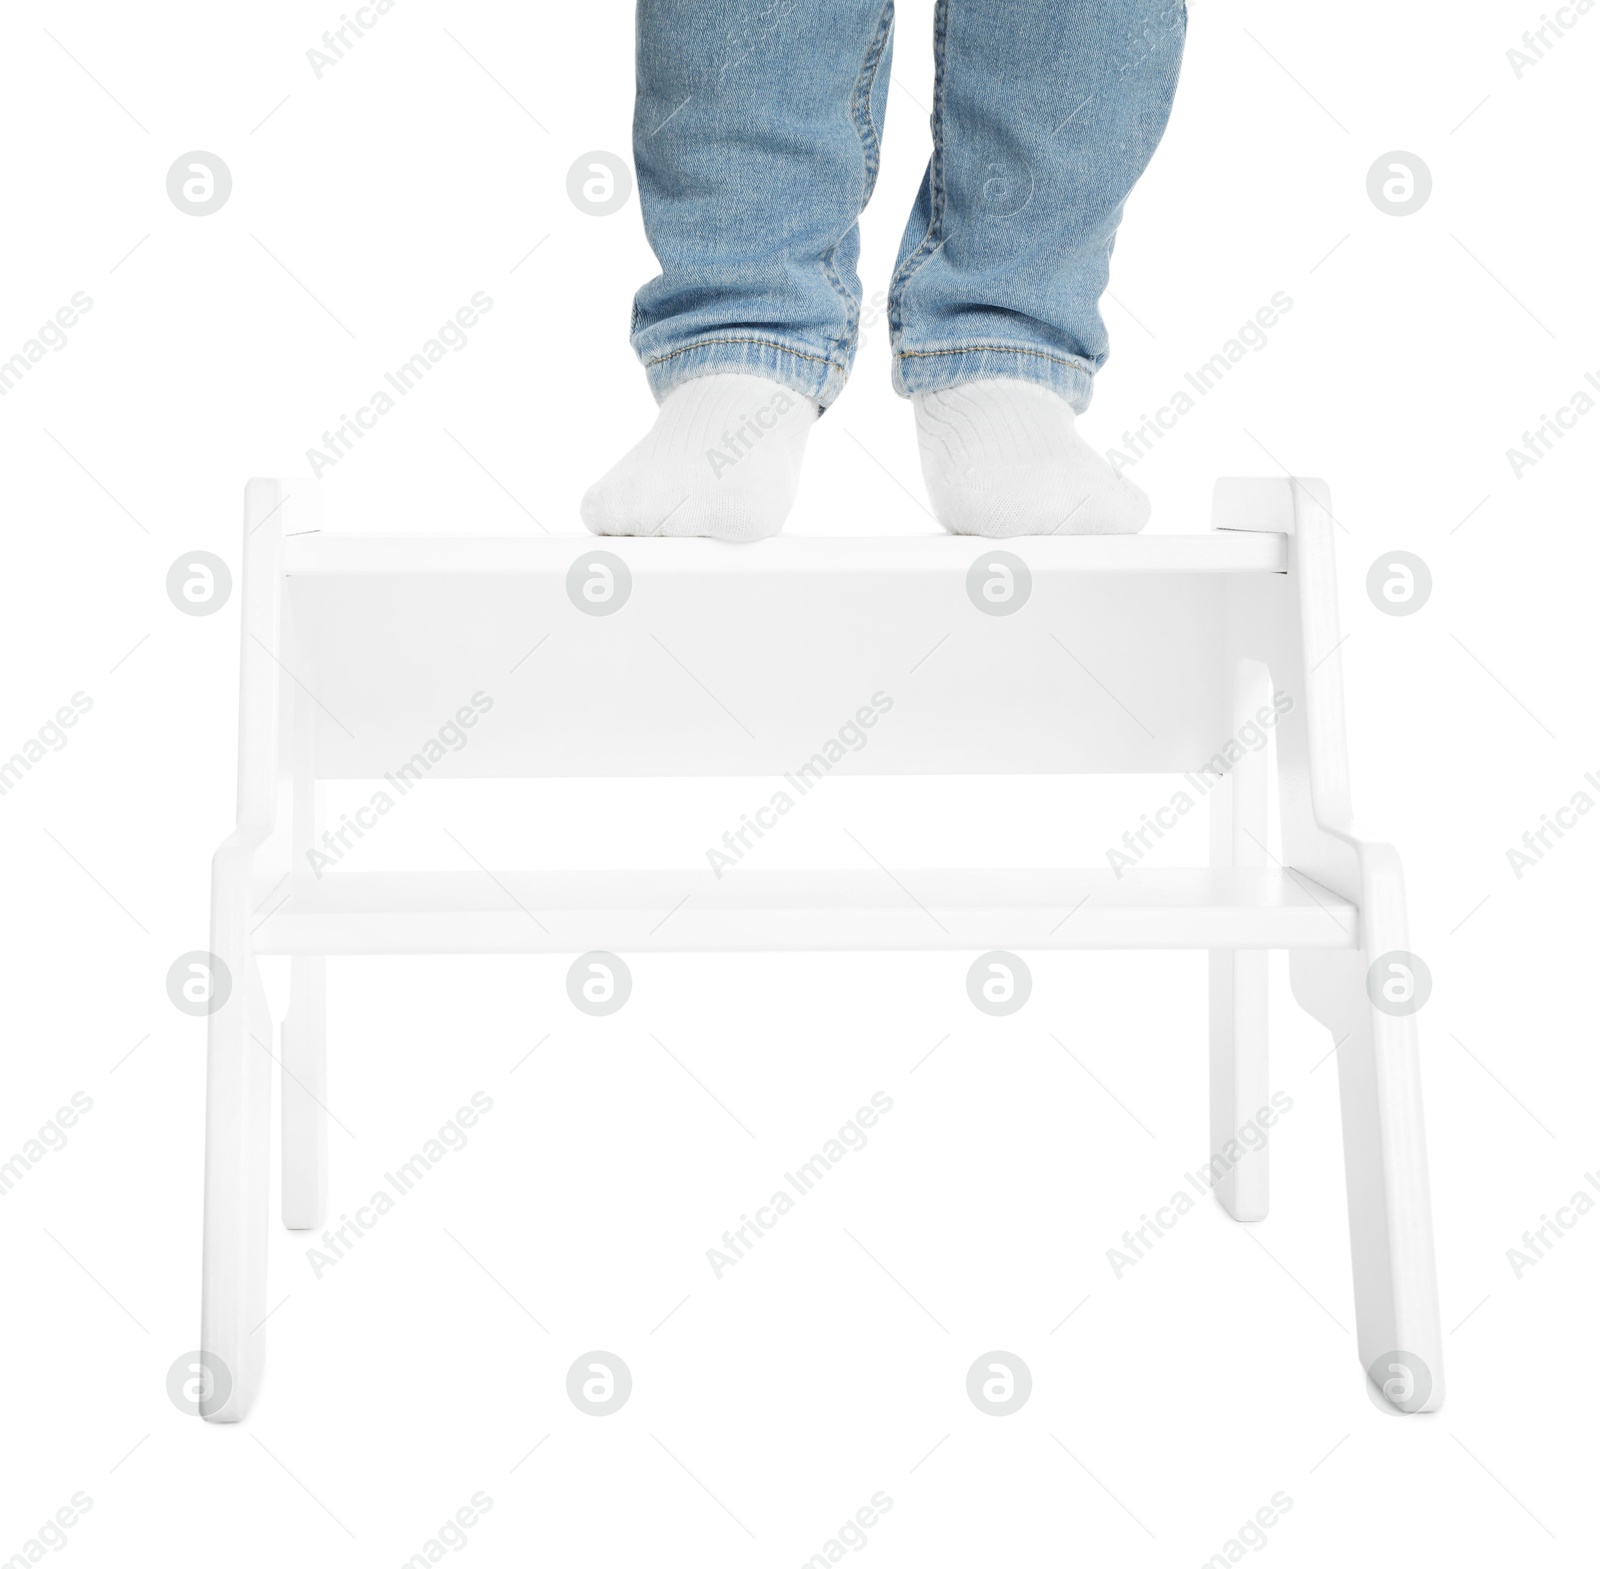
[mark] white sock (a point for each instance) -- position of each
(1001, 458)
(722, 459)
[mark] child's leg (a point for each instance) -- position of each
(1045, 114)
(756, 137)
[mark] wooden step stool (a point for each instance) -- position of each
(1140, 654)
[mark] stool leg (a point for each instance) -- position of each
(1385, 1164)
(305, 1091)
(233, 1274)
(1239, 1080)
(1238, 978)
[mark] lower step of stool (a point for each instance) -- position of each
(693, 911)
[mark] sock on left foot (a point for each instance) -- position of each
(1002, 458)
(722, 460)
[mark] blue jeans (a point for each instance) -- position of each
(757, 134)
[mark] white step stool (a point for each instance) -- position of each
(1190, 633)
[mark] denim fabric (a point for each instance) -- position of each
(757, 132)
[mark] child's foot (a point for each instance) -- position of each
(1001, 458)
(722, 459)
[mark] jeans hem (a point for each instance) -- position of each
(936, 370)
(813, 376)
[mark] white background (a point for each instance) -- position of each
(768, 1406)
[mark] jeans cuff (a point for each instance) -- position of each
(935, 370)
(811, 375)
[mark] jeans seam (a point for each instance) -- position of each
(936, 192)
(766, 343)
(997, 348)
(871, 149)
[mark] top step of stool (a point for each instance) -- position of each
(349, 554)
